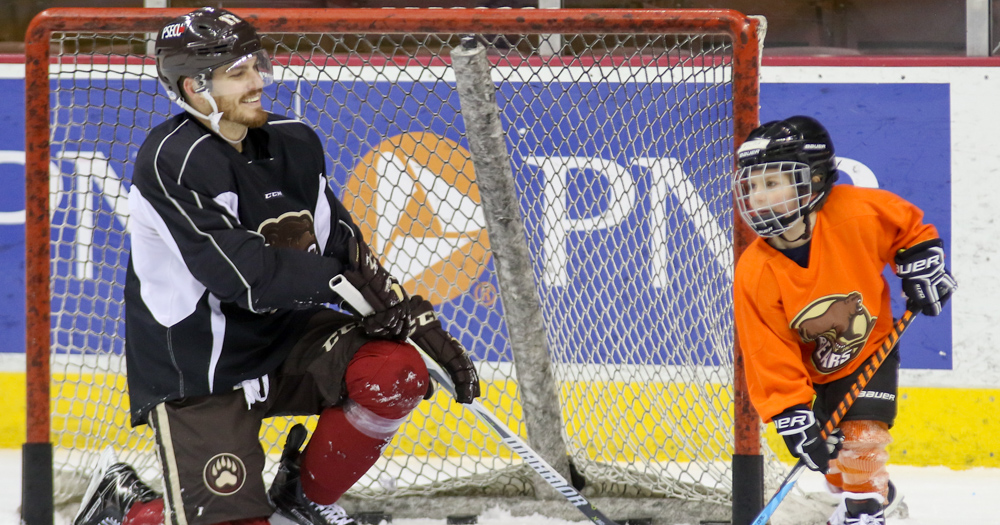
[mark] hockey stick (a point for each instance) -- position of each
(354, 298)
(867, 371)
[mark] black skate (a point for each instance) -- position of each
(895, 508)
(286, 489)
(113, 489)
(864, 512)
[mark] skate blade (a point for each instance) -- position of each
(278, 519)
(898, 508)
(108, 458)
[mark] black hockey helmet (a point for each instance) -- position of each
(195, 44)
(799, 146)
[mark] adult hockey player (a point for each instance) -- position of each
(236, 236)
(812, 305)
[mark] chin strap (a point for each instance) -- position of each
(212, 118)
(805, 234)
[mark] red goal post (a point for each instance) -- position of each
(588, 43)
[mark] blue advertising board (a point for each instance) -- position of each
(898, 132)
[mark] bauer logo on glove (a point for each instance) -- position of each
(798, 426)
(926, 281)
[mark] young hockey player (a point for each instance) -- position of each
(236, 236)
(812, 305)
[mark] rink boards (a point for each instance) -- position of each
(922, 132)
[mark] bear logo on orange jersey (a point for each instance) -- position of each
(839, 325)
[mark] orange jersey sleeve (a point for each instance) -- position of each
(799, 326)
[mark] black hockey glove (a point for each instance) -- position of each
(391, 316)
(926, 282)
(802, 437)
(444, 349)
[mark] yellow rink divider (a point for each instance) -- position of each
(13, 409)
(954, 427)
(615, 421)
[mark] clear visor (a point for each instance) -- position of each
(771, 197)
(248, 74)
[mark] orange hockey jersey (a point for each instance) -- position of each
(799, 326)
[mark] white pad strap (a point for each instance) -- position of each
(255, 390)
(370, 423)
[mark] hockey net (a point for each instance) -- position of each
(620, 129)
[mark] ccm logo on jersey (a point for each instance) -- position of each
(885, 396)
(922, 264)
(272, 194)
(173, 31)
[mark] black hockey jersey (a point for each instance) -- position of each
(231, 254)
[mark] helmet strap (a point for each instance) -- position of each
(216, 115)
(213, 118)
(805, 233)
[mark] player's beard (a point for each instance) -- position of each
(234, 111)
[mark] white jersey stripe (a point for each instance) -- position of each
(321, 215)
(169, 291)
(218, 322)
(288, 121)
(180, 174)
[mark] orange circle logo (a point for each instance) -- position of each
(417, 203)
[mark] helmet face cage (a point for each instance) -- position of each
(772, 196)
(799, 139)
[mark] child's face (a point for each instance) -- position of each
(771, 191)
(772, 197)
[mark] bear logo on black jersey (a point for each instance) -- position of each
(224, 474)
(291, 230)
(839, 325)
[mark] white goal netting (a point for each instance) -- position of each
(621, 146)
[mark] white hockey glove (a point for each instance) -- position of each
(444, 349)
(391, 316)
(798, 426)
(926, 282)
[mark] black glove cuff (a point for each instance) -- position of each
(921, 246)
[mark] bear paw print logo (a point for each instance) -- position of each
(224, 474)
